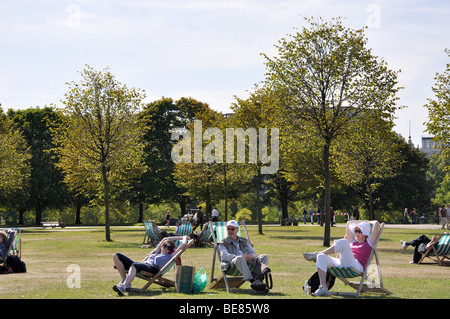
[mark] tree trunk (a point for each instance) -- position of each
(106, 192)
(78, 213)
(326, 166)
(141, 212)
(371, 213)
(258, 202)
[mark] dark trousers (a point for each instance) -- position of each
(420, 246)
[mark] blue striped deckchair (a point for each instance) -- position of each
(440, 251)
(185, 229)
(158, 278)
(152, 236)
(232, 277)
(15, 242)
(371, 280)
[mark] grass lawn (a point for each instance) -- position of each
(49, 254)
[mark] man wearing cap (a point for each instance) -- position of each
(351, 254)
(237, 251)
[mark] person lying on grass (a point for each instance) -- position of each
(351, 254)
(152, 263)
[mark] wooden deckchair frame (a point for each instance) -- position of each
(439, 251)
(158, 279)
(366, 284)
(231, 278)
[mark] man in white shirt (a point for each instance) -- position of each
(215, 215)
(237, 251)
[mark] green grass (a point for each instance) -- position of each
(49, 252)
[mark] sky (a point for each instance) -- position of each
(206, 49)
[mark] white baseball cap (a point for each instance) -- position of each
(233, 223)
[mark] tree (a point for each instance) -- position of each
(439, 111)
(367, 154)
(329, 78)
(14, 163)
(160, 118)
(99, 139)
(46, 187)
(14, 157)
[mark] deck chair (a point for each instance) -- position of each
(158, 278)
(152, 236)
(204, 237)
(14, 242)
(371, 280)
(439, 251)
(232, 278)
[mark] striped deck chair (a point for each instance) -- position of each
(151, 237)
(158, 278)
(14, 241)
(232, 278)
(205, 237)
(371, 280)
(440, 251)
(185, 229)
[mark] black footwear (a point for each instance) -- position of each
(258, 285)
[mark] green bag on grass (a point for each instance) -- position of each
(199, 281)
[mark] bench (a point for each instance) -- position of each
(52, 224)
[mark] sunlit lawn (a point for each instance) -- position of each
(51, 253)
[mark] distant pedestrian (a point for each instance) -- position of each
(405, 216)
(304, 215)
(215, 215)
(167, 218)
(443, 216)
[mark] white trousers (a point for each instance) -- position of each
(345, 259)
(242, 265)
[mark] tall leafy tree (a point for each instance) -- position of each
(439, 110)
(367, 154)
(330, 77)
(46, 184)
(160, 118)
(14, 163)
(99, 139)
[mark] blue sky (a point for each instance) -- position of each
(206, 49)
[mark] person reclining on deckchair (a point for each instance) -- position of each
(237, 251)
(6, 238)
(420, 244)
(351, 254)
(152, 263)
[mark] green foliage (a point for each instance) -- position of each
(271, 214)
(99, 138)
(14, 159)
(439, 110)
(244, 214)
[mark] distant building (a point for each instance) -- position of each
(428, 145)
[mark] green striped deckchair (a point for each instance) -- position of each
(151, 237)
(175, 260)
(185, 229)
(205, 236)
(232, 277)
(371, 280)
(440, 251)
